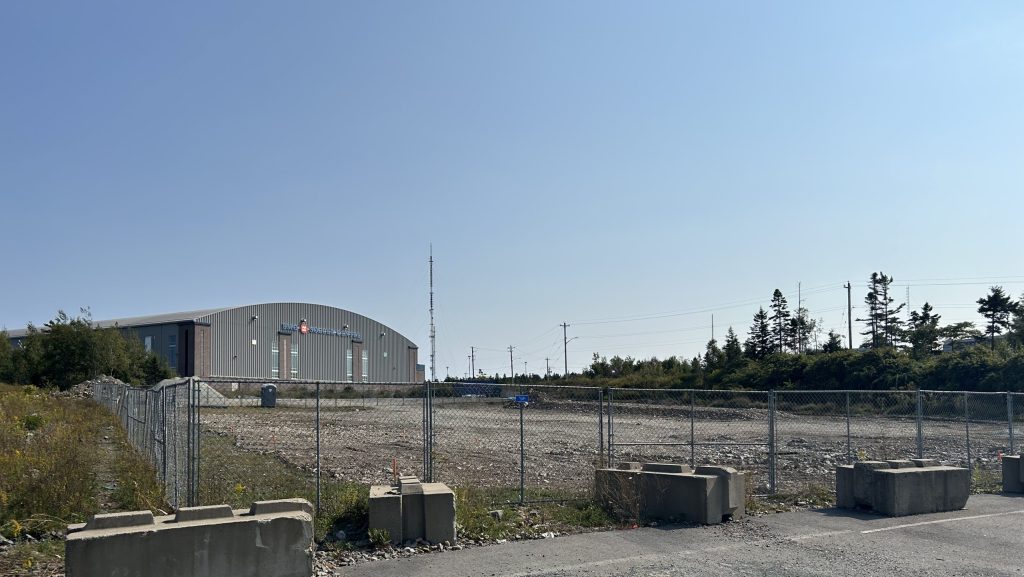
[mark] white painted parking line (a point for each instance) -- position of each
(942, 521)
(819, 535)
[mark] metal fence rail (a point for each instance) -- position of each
(212, 441)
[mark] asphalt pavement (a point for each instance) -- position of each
(985, 539)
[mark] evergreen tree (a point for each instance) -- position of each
(884, 327)
(759, 341)
(923, 332)
(801, 330)
(1017, 327)
(958, 332)
(733, 351)
(781, 330)
(997, 308)
(714, 358)
(834, 343)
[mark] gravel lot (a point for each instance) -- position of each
(477, 439)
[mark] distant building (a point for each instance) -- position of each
(961, 344)
(275, 341)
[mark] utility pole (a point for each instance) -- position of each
(511, 364)
(472, 361)
(799, 320)
(565, 349)
(446, 375)
(525, 372)
(849, 314)
(712, 326)
(547, 364)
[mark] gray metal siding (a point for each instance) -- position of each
(321, 356)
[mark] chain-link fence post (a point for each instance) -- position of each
(317, 511)
(426, 441)
(522, 454)
(693, 437)
(197, 444)
(967, 433)
(600, 428)
(611, 427)
(430, 431)
(771, 442)
(1009, 421)
(920, 425)
(849, 440)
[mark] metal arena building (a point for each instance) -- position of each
(276, 341)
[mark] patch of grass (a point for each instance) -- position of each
(48, 452)
(136, 485)
(229, 474)
(986, 480)
(33, 558)
(813, 496)
(379, 538)
(560, 512)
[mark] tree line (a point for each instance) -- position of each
(68, 350)
(785, 349)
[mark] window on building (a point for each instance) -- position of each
(366, 366)
(348, 365)
(172, 351)
(148, 342)
(294, 368)
(275, 361)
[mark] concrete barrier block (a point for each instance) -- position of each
(958, 488)
(902, 490)
(281, 506)
(386, 511)
(116, 520)
(863, 481)
(900, 464)
(709, 495)
(925, 462)
(202, 513)
(411, 510)
(414, 524)
(733, 487)
(844, 487)
(242, 545)
(1013, 479)
(438, 513)
(628, 466)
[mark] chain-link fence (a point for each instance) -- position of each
(229, 440)
(538, 442)
(161, 424)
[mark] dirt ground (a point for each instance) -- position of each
(477, 440)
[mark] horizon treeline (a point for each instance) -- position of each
(787, 350)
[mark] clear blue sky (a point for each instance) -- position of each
(569, 161)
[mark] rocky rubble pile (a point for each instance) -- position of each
(83, 390)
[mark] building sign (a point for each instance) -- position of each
(305, 328)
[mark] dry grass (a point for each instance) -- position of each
(47, 452)
(65, 459)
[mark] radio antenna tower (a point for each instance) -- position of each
(433, 334)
